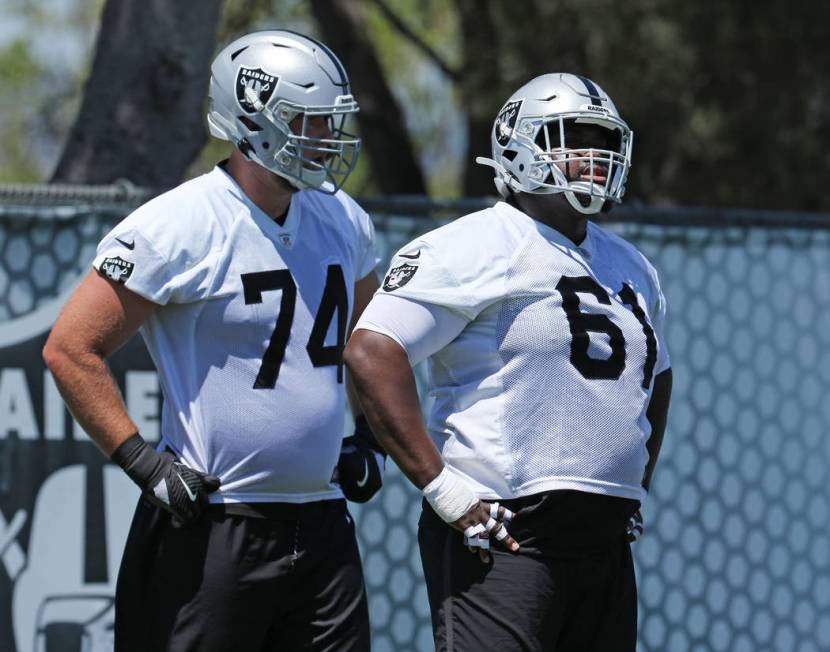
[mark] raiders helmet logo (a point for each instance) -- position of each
(117, 269)
(399, 276)
(260, 82)
(506, 121)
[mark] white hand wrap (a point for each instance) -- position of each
(494, 513)
(472, 539)
(449, 496)
(473, 531)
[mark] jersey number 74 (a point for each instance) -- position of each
(335, 299)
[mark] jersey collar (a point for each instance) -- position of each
(286, 234)
(585, 249)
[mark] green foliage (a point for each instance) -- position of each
(18, 70)
(433, 112)
(40, 89)
(730, 102)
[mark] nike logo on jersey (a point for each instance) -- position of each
(412, 256)
(129, 245)
(187, 489)
(362, 483)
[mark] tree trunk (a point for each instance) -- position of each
(385, 138)
(481, 90)
(141, 117)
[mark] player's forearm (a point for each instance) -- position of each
(364, 289)
(386, 389)
(657, 415)
(352, 397)
(91, 394)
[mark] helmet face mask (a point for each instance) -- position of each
(603, 166)
(560, 133)
(306, 158)
(268, 93)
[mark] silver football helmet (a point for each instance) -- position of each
(531, 149)
(262, 82)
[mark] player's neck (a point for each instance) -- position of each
(555, 212)
(270, 192)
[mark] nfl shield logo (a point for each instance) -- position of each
(259, 81)
(506, 121)
(399, 276)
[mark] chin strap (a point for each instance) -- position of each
(490, 163)
(595, 205)
(504, 188)
(507, 183)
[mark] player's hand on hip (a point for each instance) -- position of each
(480, 521)
(634, 529)
(180, 490)
(359, 471)
(164, 480)
(484, 523)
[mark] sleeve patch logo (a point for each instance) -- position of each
(506, 121)
(261, 84)
(399, 276)
(117, 269)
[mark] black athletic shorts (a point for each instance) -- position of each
(570, 589)
(277, 577)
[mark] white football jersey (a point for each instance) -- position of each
(248, 335)
(547, 385)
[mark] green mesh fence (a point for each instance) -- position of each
(736, 553)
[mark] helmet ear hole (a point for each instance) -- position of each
(510, 154)
(249, 124)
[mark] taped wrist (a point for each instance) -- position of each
(449, 496)
(139, 460)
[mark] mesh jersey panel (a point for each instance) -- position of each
(556, 423)
(242, 340)
(546, 387)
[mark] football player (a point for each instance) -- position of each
(244, 283)
(544, 337)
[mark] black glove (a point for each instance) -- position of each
(165, 481)
(360, 468)
(635, 527)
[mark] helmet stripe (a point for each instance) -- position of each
(592, 90)
(344, 80)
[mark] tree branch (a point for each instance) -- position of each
(416, 40)
(382, 122)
